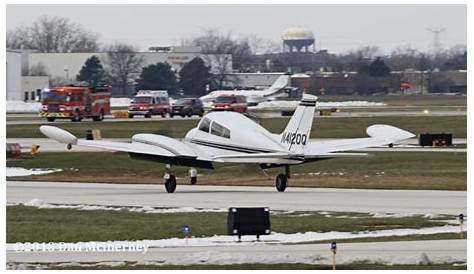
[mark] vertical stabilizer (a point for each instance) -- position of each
(296, 134)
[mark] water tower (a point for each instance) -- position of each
(297, 39)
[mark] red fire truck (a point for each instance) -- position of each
(76, 103)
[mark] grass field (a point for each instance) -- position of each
(353, 266)
(403, 101)
(30, 224)
(346, 127)
(390, 170)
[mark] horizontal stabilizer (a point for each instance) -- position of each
(269, 158)
(337, 155)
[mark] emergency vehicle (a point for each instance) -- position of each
(149, 103)
(75, 103)
(230, 102)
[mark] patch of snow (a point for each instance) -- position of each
(280, 104)
(22, 107)
(145, 209)
(19, 171)
(120, 102)
(274, 238)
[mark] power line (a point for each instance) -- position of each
(436, 40)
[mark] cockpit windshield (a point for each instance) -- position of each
(219, 130)
(141, 100)
(56, 97)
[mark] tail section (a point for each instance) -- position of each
(280, 83)
(296, 133)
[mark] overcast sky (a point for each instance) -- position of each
(337, 28)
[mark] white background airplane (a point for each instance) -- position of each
(253, 96)
(230, 137)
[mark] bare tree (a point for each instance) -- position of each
(52, 34)
(123, 64)
(218, 46)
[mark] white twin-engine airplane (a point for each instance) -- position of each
(230, 137)
(254, 97)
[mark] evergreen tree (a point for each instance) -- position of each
(159, 76)
(378, 68)
(92, 71)
(194, 76)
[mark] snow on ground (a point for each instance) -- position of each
(280, 104)
(274, 238)
(19, 171)
(120, 102)
(20, 106)
(145, 209)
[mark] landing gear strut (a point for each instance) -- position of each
(170, 180)
(192, 176)
(282, 180)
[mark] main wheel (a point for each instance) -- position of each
(170, 184)
(281, 182)
(50, 119)
(148, 114)
(193, 180)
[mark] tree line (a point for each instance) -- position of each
(124, 67)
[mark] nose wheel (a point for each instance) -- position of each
(170, 183)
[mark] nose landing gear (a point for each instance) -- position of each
(170, 180)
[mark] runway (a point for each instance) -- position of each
(199, 196)
(406, 252)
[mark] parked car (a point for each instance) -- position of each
(187, 107)
(149, 103)
(230, 102)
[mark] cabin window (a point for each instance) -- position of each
(219, 130)
(204, 125)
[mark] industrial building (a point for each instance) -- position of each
(19, 87)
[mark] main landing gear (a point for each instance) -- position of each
(281, 180)
(170, 179)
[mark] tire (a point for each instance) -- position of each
(148, 114)
(281, 182)
(163, 115)
(170, 184)
(50, 119)
(99, 117)
(193, 180)
(130, 116)
(76, 117)
(171, 115)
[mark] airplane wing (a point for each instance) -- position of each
(379, 135)
(149, 144)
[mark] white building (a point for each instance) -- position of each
(13, 78)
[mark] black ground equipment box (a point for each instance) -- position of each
(436, 139)
(248, 221)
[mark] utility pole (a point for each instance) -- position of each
(436, 39)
